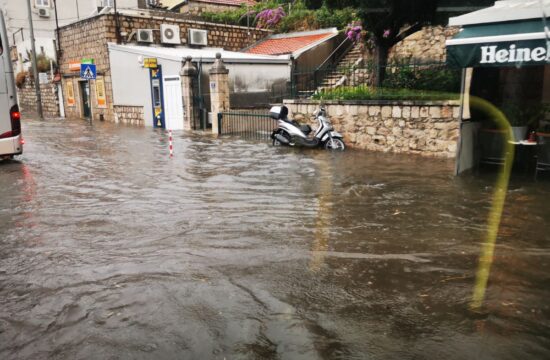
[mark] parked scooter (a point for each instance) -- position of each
(291, 133)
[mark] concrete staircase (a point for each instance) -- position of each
(337, 76)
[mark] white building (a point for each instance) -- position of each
(44, 22)
(134, 86)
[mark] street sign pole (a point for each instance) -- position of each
(88, 71)
(90, 100)
(34, 66)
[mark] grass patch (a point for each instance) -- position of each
(366, 93)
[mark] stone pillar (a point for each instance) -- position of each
(188, 73)
(219, 90)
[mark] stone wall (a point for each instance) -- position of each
(197, 7)
(132, 115)
(88, 39)
(26, 97)
(425, 45)
(228, 37)
(424, 128)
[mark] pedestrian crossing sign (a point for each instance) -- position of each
(88, 71)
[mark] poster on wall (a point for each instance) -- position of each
(100, 93)
(43, 78)
(70, 93)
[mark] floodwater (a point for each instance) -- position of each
(234, 249)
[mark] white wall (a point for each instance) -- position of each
(254, 77)
(131, 82)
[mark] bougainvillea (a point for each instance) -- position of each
(269, 18)
(354, 32)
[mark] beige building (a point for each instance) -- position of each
(90, 39)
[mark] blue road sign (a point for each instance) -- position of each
(88, 71)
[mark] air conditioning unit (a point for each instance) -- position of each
(145, 35)
(198, 37)
(45, 13)
(170, 34)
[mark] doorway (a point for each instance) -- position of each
(173, 110)
(85, 95)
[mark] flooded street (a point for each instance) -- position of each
(234, 249)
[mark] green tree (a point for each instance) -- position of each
(390, 21)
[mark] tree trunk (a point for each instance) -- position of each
(380, 63)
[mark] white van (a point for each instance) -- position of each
(11, 141)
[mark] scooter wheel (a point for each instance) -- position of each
(277, 142)
(335, 144)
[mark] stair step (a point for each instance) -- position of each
(343, 68)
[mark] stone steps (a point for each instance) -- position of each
(343, 67)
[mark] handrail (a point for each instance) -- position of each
(332, 53)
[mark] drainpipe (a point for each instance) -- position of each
(117, 26)
(293, 82)
(57, 33)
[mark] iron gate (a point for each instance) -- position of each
(200, 114)
(247, 125)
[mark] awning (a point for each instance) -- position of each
(513, 43)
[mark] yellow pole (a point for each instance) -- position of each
(499, 197)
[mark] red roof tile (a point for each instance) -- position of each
(229, 2)
(285, 45)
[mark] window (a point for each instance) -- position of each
(108, 3)
(42, 3)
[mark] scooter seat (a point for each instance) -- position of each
(306, 129)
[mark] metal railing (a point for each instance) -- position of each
(416, 75)
(248, 125)
(338, 54)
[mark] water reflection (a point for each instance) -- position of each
(236, 249)
(323, 219)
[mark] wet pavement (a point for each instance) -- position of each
(234, 249)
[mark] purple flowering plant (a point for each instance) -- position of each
(268, 18)
(354, 32)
